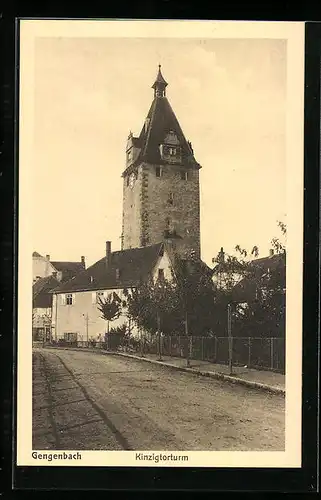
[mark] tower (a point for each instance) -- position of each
(161, 182)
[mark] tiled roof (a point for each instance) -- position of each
(134, 265)
(270, 262)
(68, 269)
(40, 291)
(246, 288)
(161, 120)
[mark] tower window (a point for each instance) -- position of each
(129, 155)
(158, 172)
(172, 151)
(184, 175)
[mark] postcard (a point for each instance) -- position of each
(160, 243)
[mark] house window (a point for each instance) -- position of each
(171, 198)
(158, 171)
(127, 180)
(117, 274)
(69, 299)
(184, 175)
(96, 296)
(160, 274)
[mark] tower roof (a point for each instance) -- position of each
(161, 122)
(160, 81)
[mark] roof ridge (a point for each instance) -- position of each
(152, 117)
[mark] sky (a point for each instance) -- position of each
(229, 96)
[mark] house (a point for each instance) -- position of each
(262, 271)
(48, 274)
(75, 313)
(42, 307)
(43, 267)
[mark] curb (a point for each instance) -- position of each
(215, 375)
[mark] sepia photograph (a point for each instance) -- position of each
(160, 243)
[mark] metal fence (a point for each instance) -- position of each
(267, 353)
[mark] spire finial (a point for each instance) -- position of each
(160, 84)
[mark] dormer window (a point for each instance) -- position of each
(129, 154)
(170, 153)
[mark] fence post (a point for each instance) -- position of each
(249, 360)
(215, 348)
(202, 346)
(272, 353)
(170, 345)
(230, 338)
(179, 346)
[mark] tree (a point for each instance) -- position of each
(151, 304)
(110, 308)
(195, 294)
(256, 288)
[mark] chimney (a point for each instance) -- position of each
(48, 257)
(83, 261)
(108, 253)
(222, 255)
(271, 252)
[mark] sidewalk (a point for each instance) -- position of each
(255, 379)
(267, 380)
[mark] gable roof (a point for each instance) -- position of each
(246, 288)
(40, 291)
(134, 265)
(68, 269)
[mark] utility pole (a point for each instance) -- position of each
(230, 338)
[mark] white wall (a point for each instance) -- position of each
(163, 263)
(73, 318)
(41, 267)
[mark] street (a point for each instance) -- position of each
(90, 401)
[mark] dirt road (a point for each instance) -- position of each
(88, 401)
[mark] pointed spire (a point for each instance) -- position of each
(160, 84)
